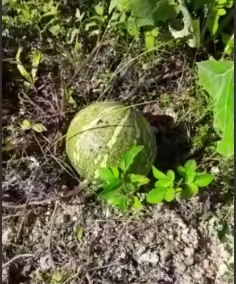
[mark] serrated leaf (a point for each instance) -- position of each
(171, 175)
(193, 188)
(203, 180)
(164, 183)
(158, 174)
(217, 78)
(182, 171)
(129, 157)
(39, 128)
(156, 195)
(138, 180)
(136, 204)
(190, 165)
(26, 125)
(106, 175)
(111, 190)
(170, 194)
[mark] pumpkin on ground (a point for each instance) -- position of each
(100, 135)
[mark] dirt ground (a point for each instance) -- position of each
(77, 239)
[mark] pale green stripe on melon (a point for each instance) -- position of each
(118, 130)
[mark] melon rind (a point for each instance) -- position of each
(100, 135)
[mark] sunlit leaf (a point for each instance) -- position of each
(26, 125)
(36, 59)
(218, 80)
(130, 156)
(136, 204)
(171, 175)
(190, 165)
(170, 194)
(111, 189)
(182, 171)
(99, 9)
(138, 180)
(112, 6)
(150, 39)
(38, 127)
(156, 195)
(193, 188)
(203, 180)
(106, 175)
(79, 233)
(164, 183)
(158, 174)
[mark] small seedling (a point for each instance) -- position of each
(170, 186)
(35, 60)
(121, 186)
(37, 127)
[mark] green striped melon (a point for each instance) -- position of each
(100, 135)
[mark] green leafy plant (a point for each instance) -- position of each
(121, 186)
(170, 186)
(217, 78)
(36, 59)
(37, 127)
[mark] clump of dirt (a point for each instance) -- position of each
(155, 246)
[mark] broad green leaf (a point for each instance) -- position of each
(26, 125)
(182, 171)
(178, 191)
(136, 204)
(217, 78)
(113, 5)
(190, 165)
(164, 183)
(129, 157)
(156, 195)
(158, 174)
(124, 5)
(203, 180)
(124, 203)
(111, 189)
(38, 127)
(170, 194)
(193, 188)
(138, 180)
(150, 12)
(190, 176)
(171, 175)
(221, 12)
(99, 9)
(116, 199)
(150, 39)
(55, 30)
(106, 175)
(115, 172)
(213, 23)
